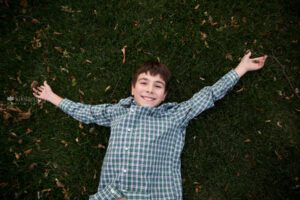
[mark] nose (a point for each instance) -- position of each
(150, 88)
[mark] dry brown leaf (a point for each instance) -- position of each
(46, 190)
(28, 151)
(32, 166)
(101, 146)
(124, 54)
(197, 6)
(229, 57)
(23, 3)
(107, 88)
(203, 36)
(240, 90)
(18, 155)
(279, 124)
(247, 140)
(57, 33)
(206, 44)
(23, 115)
(87, 61)
(59, 184)
(59, 49)
(35, 21)
(64, 142)
(81, 92)
(80, 125)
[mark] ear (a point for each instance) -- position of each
(132, 89)
(165, 95)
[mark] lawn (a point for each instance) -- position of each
(246, 147)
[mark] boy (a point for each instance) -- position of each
(143, 155)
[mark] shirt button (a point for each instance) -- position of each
(126, 148)
(124, 170)
(128, 129)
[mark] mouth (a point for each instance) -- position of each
(148, 98)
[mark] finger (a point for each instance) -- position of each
(36, 90)
(45, 83)
(259, 59)
(248, 54)
(36, 95)
(40, 88)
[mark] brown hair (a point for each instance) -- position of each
(154, 68)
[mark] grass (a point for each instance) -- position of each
(247, 147)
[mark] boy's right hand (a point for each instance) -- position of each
(43, 92)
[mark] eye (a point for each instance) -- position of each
(143, 83)
(158, 86)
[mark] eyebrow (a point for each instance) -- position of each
(145, 79)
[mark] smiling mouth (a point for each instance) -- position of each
(148, 98)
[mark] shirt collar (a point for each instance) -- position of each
(161, 109)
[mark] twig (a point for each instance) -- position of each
(285, 76)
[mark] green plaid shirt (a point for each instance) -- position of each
(143, 155)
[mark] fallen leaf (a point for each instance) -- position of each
(35, 21)
(247, 140)
(229, 57)
(59, 49)
(81, 92)
(57, 33)
(279, 124)
(28, 151)
(279, 157)
(81, 125)
(233, 22)
(59, 184)
(206, 44)
(203, 36)
(64, 142)
(32, 166)
(124, 54)
(74, 82)
(46, 190)
(23, 3)
(23, 115)
(197, 6)
(36, 43)
(107, 88)
(87, 61)
(68, 9)
(28, 130)
(18, 155)
(240, 90)
(101, 146)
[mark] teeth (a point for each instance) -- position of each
(148, 98)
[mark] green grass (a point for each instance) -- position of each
(247, 147)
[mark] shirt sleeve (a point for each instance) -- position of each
(205, 98)
(99, 114)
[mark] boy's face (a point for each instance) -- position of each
(149, 91)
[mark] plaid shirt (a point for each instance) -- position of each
(143, 155)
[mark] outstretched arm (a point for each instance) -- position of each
(45, 92)
(250, 64)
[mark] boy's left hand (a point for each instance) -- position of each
(250, 64)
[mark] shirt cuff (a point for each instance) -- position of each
(232, 75)
(64, 104)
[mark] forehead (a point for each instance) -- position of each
(147, 76)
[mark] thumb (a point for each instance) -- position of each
(45, 83)
(248, 54)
